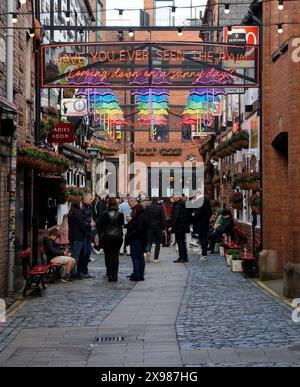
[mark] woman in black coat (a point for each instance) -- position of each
(201, 220)
(137, 239)
(110, 228)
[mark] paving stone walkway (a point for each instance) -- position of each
(199, 314)
(226, 319)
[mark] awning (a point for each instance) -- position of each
(71, 151)
(7, 106)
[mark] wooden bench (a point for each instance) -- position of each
(237, 241)
(250, 260)
(35, 276)
(38, 274)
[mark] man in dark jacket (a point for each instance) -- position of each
(86, 209)
(180, 227)
(156, 220)
(201, 220)
(57, 254)
(77, 235)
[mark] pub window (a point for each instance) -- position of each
(186, 133)
(159, 134)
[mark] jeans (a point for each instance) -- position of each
(181, 242)
(213, 237)
(203, 240)
(77, 252)
(83, 261)
(154, 236)
(138, 261)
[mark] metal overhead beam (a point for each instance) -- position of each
(135, 28)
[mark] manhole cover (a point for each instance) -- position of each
(109, 339)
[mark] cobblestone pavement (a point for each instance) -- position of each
(77, 304)
(196, 314)
(226, 319)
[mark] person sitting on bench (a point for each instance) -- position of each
(57, 254)
(225, 227)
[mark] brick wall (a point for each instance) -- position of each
(4, 164)
(19, 74)
(281, 101)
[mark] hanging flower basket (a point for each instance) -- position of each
(236, 200)
(255, 203)
(32, 157)
(256, 210)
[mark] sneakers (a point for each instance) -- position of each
(156, 261)
(66, 279)
(96, 251)
(203, 258)
(87, 276)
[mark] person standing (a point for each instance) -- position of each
(201, 220)
(180, 226)
(110, 230)
(137, 239)
(126, 210)
(86, 208)
(77, 234)
(156, 220)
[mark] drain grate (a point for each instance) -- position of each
(108, 339)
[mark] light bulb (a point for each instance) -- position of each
(22, 1)
(130, 32)
(68, 17)
(280, 5)
(226, 9)
(280, 29)
(14, 18)
(31, 32)
(180, 32)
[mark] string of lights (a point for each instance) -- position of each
(173, 9)
(180, 30)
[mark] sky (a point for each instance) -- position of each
(131, 18)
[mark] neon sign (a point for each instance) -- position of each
(177, 64)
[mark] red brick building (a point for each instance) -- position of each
(23, 91)
(281, 141)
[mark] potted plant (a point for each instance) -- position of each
(230, 254)
(236, 262)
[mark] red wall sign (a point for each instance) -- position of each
(63, 133)
(248, 38)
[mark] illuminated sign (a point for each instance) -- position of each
(157, 65)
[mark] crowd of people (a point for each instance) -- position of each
(131, 226)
